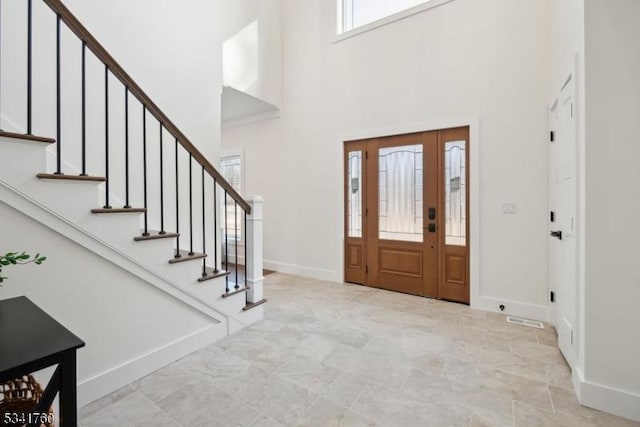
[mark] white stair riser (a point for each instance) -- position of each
(20, 161)
(159, 250)
(72, 200)
(233, 304)
(114, 228)
(213, 289)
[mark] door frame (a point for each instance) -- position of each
(473, 122)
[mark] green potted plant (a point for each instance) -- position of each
(17, 258)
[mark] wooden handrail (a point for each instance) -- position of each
(101, 53)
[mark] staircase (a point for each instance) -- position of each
(94, 159)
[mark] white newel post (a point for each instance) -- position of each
(254, 249)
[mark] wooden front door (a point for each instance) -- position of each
(406, 216)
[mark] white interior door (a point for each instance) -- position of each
(562, 225)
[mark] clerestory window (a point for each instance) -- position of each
(363, 14)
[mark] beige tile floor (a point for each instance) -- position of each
(346, 355)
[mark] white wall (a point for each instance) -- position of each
(467, 58)
(120, 317)
(172, 50)
(252, 48)
(612, 204)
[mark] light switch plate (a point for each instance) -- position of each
(509, 207)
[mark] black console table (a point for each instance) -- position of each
(31, 340)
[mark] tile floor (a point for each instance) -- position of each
(346, 355)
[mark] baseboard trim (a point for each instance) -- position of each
(604, 398)
(108, 381)
(300, 270)
(514, 308)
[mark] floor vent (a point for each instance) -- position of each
(525, 322)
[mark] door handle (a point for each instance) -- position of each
(557, 234)
(431, 228)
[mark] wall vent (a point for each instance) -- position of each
(525, 322)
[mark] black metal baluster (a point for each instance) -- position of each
(161, 184)
(144, 168)
(215, 228)
(177, 255)
(226, 243)
(30, 63)
(84, 109)
(204, 233)
(58, 97)
(190, 205)
(235, 224)
(106, 134)
(126, 147)
(246, 265)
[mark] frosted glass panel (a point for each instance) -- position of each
(455, 167)
(400, 193)
(354, 183)
(232, 172)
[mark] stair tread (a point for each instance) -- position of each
(71, 177)
(251, 305)
(155, 235)
(184, 256)
(235, 291)
(118, 210)
(27, 137)
(210, 274)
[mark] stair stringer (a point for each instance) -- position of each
(40, 213)
(178, 280)
(196, 299)
(54, 197)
